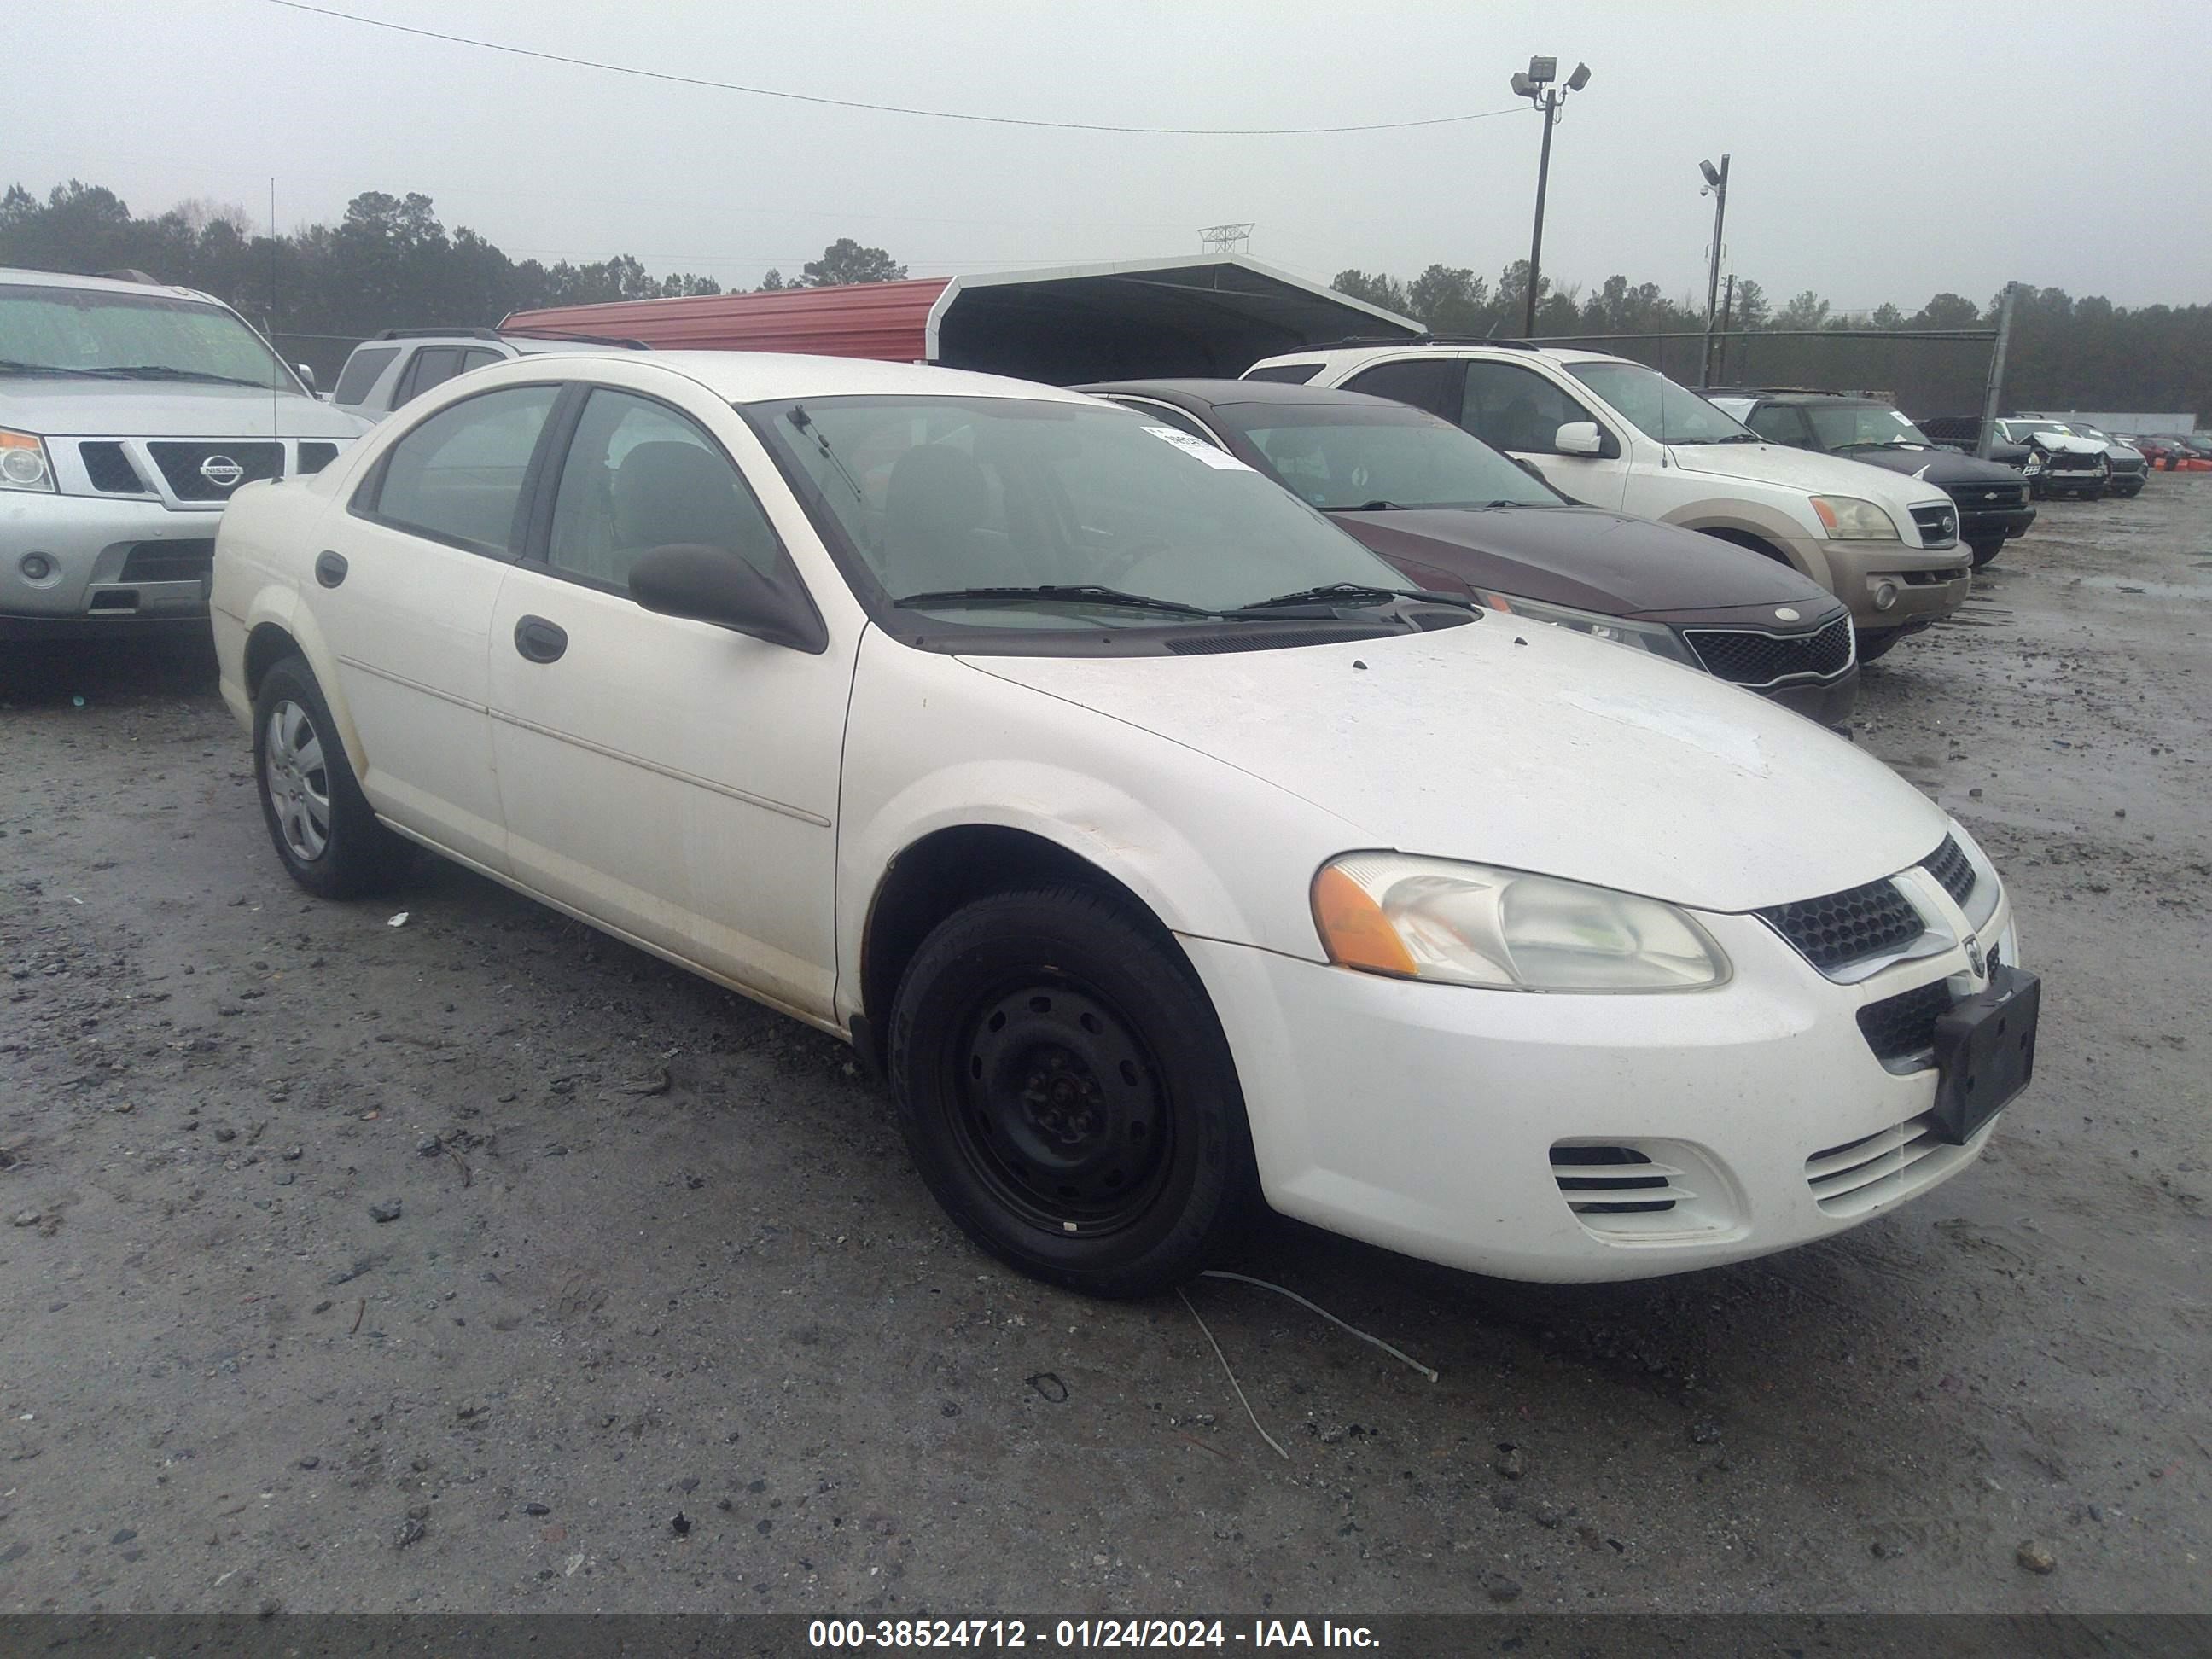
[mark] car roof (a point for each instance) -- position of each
(744, 377)
(1792, 394)
(25, 277)
(1337, 356)
(1226, 394)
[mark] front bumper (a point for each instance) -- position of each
(113, 562)
(1980, 524)
(1920, 585)
(1430, 1118)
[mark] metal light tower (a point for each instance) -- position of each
(1716, 187)
(1227, 238)
(1535, 85)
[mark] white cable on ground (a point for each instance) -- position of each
(1246, 1278)
(1233, 1382)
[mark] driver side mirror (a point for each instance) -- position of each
(715, 584)
(1584, 438)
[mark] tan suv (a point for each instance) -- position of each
(1617, 435)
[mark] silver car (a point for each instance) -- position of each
(130, 412)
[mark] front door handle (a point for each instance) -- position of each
(540, 641)
(330, 567)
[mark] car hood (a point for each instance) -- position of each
(1520, 744)
(166, 409)
(2066, 443)
(1584, 556)
(1944, 468)
(1799, 469)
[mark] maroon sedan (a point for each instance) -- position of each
(1455, 515)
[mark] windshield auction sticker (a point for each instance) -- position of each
(1204, 451)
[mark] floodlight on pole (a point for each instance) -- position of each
(1716, 180)
(1534, 85)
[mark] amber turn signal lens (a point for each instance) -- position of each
(1353, 928)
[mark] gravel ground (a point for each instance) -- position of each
(662, 1320)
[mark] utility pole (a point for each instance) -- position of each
(1728, 304)
(1716, 187)
(1535, 85)
(1994, 388)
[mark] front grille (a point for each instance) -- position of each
(1615, 1180)
(1988, 496)
(1745, 657)
(180, 463)
(314, 457)
(1849, 927)
(1263, 639)
(1949, 865)
(110, 469)
(169, 561)
(2128, 463)
(1903, 1027)
(1881, 1168)
(2070, 461)
(1938, 525)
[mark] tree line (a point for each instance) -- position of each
(387, 262)
(2065, 352)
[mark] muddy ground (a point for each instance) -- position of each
(665, 1321)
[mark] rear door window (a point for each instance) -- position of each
(360, 372)
(431, 366)
(1430, 383)
(457, 476)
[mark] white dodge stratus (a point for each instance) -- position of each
(1164, 852)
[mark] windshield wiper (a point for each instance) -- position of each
(1357, 594)
(1733, 438)
(1378, 505)
(9, 366)
(164, 372)
(1071, 593)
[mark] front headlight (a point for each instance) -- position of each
(1847, 519)
(2033, 464)
(23, 462)
(1655, 637)
(1506, 929)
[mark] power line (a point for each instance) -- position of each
(881, 109)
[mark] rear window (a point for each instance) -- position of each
(360, 372)
(1288, 374)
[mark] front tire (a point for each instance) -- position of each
(1874, 647)
(323, 827)
(1067, 1093)
(1986, 552)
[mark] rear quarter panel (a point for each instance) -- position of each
(265, 552)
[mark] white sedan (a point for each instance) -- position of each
(1163, 851)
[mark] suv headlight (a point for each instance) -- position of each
(1847, 519)
(1469, 924)
(2033, 464)
(1655, 637)
(23, 462)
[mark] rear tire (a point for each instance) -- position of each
(1067, 1094)
(323, 827)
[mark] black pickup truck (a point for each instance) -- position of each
(1991, 496)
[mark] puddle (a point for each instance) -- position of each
(2142, 587)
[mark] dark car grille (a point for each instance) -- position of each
(169, 561)
(2129, 463)
(314, 457)
(1742, 657)
(1948, 864)
(1848, 927)
(180, 465)
(110, 469)
(1971, 497)
(2071, 460)
(1899, 1027)
(1939, 525)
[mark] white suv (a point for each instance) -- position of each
(1617, 435)
(401, 364)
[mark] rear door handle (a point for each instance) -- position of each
(330, 568)
(540, 641)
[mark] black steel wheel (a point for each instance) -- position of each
(1067, 1094)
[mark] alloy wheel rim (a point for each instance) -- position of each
(297, 781)
(1060, 1110)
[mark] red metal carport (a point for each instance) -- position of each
(1207, 314)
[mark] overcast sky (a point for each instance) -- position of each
(1882, 151)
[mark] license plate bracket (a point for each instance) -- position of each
(1984, 1054)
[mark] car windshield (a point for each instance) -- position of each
(1005, 513)
(89, 333)
(1345, 459)
(1658, 408)
(1850, 426)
